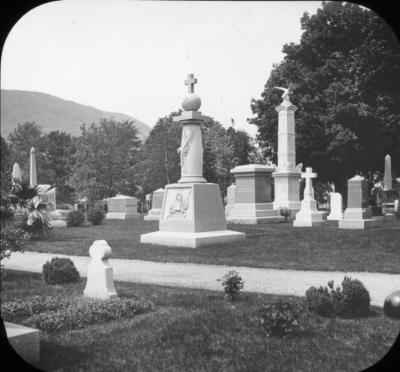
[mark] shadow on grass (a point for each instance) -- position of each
(68, 355)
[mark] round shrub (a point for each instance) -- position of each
(75, 218)
(280, 318)
(60, 270)
(351, 300)
(319, 300)
(355, 299)
(232, 283)
(95, 216)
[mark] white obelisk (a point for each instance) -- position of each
(32, 169)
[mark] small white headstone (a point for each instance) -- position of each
(336, 207)
(100, 281)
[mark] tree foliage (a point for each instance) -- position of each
(105, 159)
(346, 78)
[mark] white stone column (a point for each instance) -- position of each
(287, 175)
(32, 169)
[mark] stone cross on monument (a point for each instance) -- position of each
(308, 214)
(190, 82)
(308, 190)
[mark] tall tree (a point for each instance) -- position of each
(6, 165)
(21, 140)
(105, 160)
(346, 77)
(160, 163)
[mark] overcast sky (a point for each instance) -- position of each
(132, 57)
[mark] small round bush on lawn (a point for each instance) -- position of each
(60, 270)
(95, 216)
(355, 299)
(75, 218)
(319, 300)
(352, 300)
(280, 318)
(232, 283)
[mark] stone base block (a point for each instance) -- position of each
(367, 223)
(333, 223)
(191, 239)
(121, 216)
(253, 213)
(58, 224)
(307, 223)
(153, 215)
(25, 341)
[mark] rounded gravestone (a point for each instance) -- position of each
(100, 250)
(391, 306)
(191, 102)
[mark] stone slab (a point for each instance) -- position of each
(57, 224)
(190, 239)
(309, 223)
(25, 341)
(378, 221)
(121, 216)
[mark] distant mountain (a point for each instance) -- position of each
(53, 113)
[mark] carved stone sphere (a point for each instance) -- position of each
(391, 306)
(191, 102)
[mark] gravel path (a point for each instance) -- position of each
(273, 281)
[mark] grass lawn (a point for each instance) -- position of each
(197, 330)
(273, 245)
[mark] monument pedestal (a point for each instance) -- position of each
(308, 215)
(122, 207)
(192, 215)
(253, 199)
(287, 191)
(358, 215)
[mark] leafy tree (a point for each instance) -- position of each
(242, 146)
(346, 80)
(105, 160)
(6, 165)
(59, 150)
(160, 164)
(21, 140)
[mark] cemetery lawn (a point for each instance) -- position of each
(197, 330)
(272, 245)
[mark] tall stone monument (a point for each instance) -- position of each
(287, 174)
(253, 195)
(192, 214)
(32, 168)
(155, 211)
(308, 214)
(46, 194)
(388, 195)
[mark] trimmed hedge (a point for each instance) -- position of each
(60, 270)
(53, 314)
(95, 311)
(352, 300)
(16, 310)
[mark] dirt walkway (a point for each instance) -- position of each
(287, 282)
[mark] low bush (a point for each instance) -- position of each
(95, 216)
(17, 310)
(350, 300)
(232, 283)
(60, 270)
(75, 218)
(96, 311)
(280, 318)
